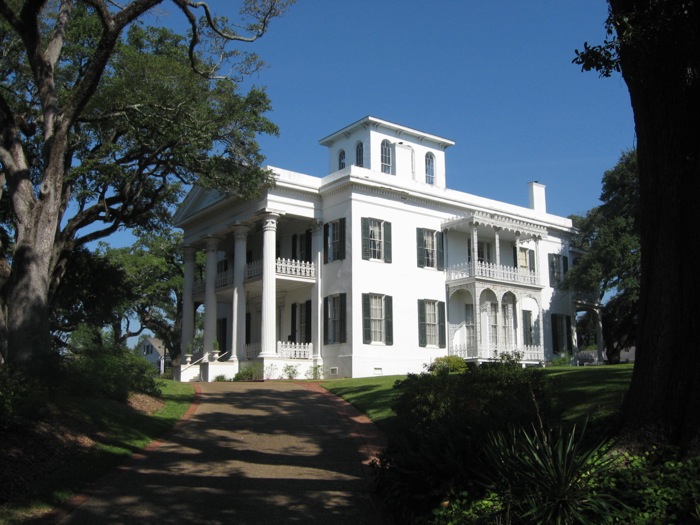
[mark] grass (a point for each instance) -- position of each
(121, 430)
(371, 395)
(594, 392)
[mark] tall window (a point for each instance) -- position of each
(386, 156)
(528, 336)
(430, 249)
(484, 251)
(431, 323)
(558, 266)
(506, 324)
(561, 333)
(493, 324)
(301, 246)
(469, 325)
(376, 239)
(334, 240)
(301, 322)
(359, 155)
(341, 159)
(526, 259)
(334, 312)
(377, 324)
(430, 168)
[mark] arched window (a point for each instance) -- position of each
(430, 168)
(341, 159)
(359, 155)
(386, 156)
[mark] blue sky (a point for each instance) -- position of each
(496, 77)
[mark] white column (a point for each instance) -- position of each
(269, 292)
(538, 266)
(316, 302)
(475, 249)
(497, 240)
(188, 303)
(210, 298)
(239, 298)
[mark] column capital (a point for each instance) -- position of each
(189, 252)
(316, 225)
(212, 243)
(270, 221)
(240, 232)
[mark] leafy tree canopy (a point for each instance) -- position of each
(611, 264)
(102, 122)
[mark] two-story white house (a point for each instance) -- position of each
(375, 269)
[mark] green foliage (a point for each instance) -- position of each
(548, 477)
(20, 397)
(290, 371)
(112, 375)
(561, 360)
(251, 372)
(442, 421)
(611, 264)
(314, 373)
(658, 485)
(221, 378)
(447, 364)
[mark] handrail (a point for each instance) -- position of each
(192, 364)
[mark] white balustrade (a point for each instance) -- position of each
(291, 350)
(491, 271)
(283, 266)
(494, 352)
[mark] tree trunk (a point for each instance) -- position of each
(660, 67)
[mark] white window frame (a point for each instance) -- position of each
(386, 157)
(430, 168)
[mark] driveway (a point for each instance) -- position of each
(249, 453)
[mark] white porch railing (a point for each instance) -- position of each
(491, 271)
(294, 350)
(222, 279)
(525, 352)
(290, 267)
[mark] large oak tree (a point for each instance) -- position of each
(655, 44)
(99, 118)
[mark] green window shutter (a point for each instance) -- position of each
(387, 242)
(420, 243)
(309, 325)
(388, 320)
(343, 318)
(341, 223)
(422, 336)
(326, 227)
(565, 264)
(366, 320)
(552, 269)
(442, 337)
(440, 250)
(569, 342)
(294, 323)
(515, 256)
(531, 257)
(326, 323)
(365, 238)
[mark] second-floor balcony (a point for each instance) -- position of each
(283, 267)
(487, 270)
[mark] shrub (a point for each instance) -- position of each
(221, 378)
(659, 485)
(545, 476)
(442, 421)
(19, 396)
(251, 372)
(446, 364)
(314, 373)
(111, 375)
(291, 371)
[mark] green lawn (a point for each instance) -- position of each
(593, 392)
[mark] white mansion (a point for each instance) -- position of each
(375, 269)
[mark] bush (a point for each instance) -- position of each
(111, 375)
(447, 364)
(314, 373)
(442, 422)
(19, 396)
(251, 372)
(291, 371)
(659, 485)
